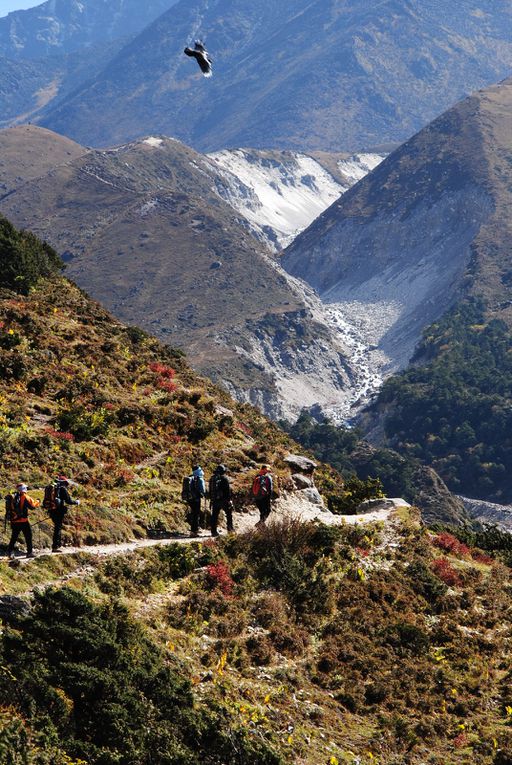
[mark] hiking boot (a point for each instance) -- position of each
(30, 555)
(57, 549)
(11, 556)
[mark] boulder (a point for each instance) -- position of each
(302, 481)
(300, 464)
(12, 607)
(312, 495)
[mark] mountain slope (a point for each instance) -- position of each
(64, 26)
(144, 229)
(282, 192)
(298, 75)
(429, 225)
(428, 231)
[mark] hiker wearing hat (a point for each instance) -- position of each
(262, 491)
(219, 490)
(192, 492)
(56, 501)
(16, 509)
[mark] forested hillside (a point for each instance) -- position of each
(452, 408)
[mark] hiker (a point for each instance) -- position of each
(56, 501)
(16, 511)
(219, 490)
(194, 489)
(262, 491)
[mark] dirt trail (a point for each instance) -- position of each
(291, 506)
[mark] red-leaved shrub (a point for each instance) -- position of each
(450, 544)
(162, 370)
(219, 577)
(444, 570)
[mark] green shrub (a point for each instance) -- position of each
(24, 259)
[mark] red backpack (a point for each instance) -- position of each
(261, 486)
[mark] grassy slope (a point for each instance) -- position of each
(328, 645)
(78, 394)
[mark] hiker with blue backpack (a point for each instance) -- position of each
(193, 491)
(263, 491)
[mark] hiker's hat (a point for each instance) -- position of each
(221, 469)
(22, 487)
(265, 467)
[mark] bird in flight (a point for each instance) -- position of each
(200, 54)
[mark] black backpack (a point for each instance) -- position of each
(219, 487)
(191, 488)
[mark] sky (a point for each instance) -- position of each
(6, 6)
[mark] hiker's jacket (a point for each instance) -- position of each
(19, 514)
(63, 495)
(201, 486)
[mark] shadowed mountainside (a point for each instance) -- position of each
(297, 75)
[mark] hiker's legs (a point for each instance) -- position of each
(15, 532)
(27, 533)
(195, 512)
(228, 509)
(216, 508)
(263, 505)
(17, 529)
(57, 519)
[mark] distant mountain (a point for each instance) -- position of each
(303, 75)
(27, 85)
(65, 26)
(144, 227)
(282, 192)
(420, 250)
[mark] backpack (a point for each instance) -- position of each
(218, 489)
(261, 486)
(191, 488)
(52, 500)
(13, 511)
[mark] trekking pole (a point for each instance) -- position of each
(48, 518)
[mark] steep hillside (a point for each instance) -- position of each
(285, 645)
(64, 26)
(297, 75)
(430, 227)
(119, 411)
(145, 229)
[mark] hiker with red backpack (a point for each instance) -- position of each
(56, 501)
(219, 491)
(16, 512)
(263, 493)
(192, 492)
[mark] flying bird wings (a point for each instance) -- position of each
(200, 54)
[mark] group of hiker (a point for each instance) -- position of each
(220, 494)
(194, 490)
(56, 502)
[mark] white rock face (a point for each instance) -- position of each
(384, 281)
(281, 194)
